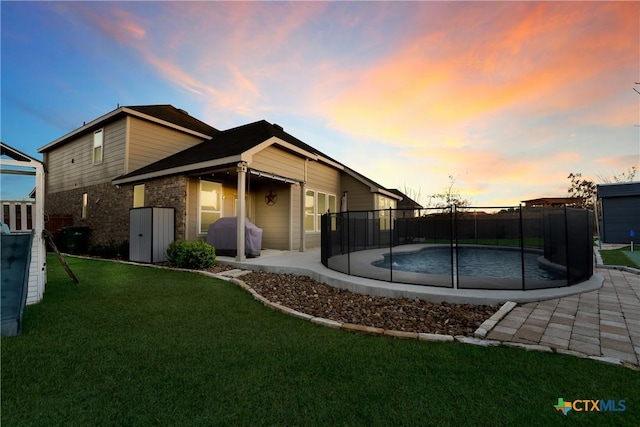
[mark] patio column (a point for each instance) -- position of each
(303, 196)
(242, 179)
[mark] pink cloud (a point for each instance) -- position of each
(542, 59)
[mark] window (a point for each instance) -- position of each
(138, 196)
(384, 203)
(316, 204)
(85, 204)
(98, 138)
(210, 204)
(309, 210)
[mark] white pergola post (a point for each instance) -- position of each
(242, 179)
(303, 197)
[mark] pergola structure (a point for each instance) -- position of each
(15, 162)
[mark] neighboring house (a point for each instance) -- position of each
(408, 207)
(552, 202)
(160, 156)
(618, 211)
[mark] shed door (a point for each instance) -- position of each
(140, 236)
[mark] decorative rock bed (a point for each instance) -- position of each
(305, 295)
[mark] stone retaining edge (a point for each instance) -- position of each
(488, 324)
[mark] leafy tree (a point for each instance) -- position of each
(583, 189)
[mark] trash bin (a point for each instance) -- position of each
(75, 239)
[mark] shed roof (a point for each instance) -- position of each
(621, 189)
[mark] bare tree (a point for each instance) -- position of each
(627, 176)
(449, 197)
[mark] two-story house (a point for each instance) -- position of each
(159, 155)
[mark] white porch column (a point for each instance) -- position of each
(303, 196)
(242, 179)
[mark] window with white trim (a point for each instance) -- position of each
(210, 204)
(317, 203)
(98, 140)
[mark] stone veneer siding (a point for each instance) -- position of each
(108, 206)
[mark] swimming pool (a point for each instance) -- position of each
(503, 263)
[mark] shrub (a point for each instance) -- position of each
(193, 255)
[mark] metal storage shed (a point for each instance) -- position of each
(618, 211)
(151, 230)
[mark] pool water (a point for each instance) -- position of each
(473, 261)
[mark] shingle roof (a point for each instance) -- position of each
(406, 200)
(227, 143)
(174, 115)
(232, 143)
(163, 113)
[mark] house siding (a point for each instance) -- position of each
(71, 166)
(323, 178)
(150, 142)
(279, 162)
(274, 220)
(360, 197)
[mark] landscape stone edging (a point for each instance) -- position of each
(488, 324)
(600, 264)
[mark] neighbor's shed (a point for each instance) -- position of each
(619, 211)
(25, 216)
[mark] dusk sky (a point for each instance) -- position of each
(507, 97)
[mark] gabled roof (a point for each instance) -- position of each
(619, 189)
(176, 116)
(165, 115)
(235, 145)
(373, 186)
(229, 146)
(406, 200)
(17, 155)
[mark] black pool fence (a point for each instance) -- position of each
(506, 248)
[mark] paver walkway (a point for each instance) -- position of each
(603, 323)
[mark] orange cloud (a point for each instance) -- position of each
(539, 59)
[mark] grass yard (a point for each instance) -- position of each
(621, 256)
(143, 346)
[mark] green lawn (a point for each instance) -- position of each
(621, 256)
(142, 346)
